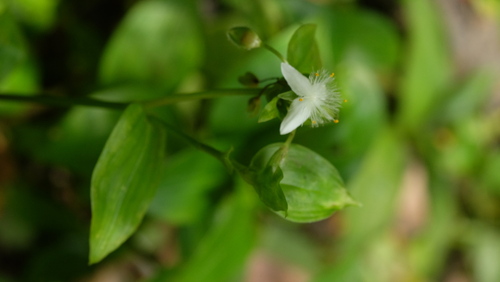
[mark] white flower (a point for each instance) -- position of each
(318, 99)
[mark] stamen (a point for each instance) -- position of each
(345, 101)
(316, 74)
(336, 121)
(332, 75)
(313, 122)
(300, 99)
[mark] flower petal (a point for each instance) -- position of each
(298, 113)
(299, 83)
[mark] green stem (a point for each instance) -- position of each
(200, 95)
(289, 139)
(275, 52)
(281, 153)
(85, 101)
(195, 143)
(62, 101)
(219, 155)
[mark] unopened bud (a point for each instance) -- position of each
(244, 37)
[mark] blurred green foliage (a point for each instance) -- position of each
(417, 144)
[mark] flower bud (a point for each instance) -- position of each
(244, 37)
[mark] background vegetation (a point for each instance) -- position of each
(417, 143)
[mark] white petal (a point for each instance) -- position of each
(299, 83)
(298, 113)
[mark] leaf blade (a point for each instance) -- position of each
(303, 51)
(124, 181)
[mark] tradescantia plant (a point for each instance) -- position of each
(293, 181)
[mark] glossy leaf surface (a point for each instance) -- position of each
(313, 188)
(124, 180)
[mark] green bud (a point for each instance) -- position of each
(254, 106)
(249, 79)
(244, 37)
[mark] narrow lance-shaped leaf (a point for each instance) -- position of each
(125, 180)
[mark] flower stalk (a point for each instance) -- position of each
(275, 52)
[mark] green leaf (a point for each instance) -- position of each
(185, 182)
(364, 113)
(287, 243)
(265, 177)
(266, 182)
(38, 13)
(489, 176)
(125, 180)
(312, 186)
(289, 96)
(270, 111)
(157, 43)
(345, 30)
(468, 99)
(12, 45)
(428, 254)
(224, 249)
(303, 51)
(244, 37)
(21, 80)
(483, 250)
(376, 184)
(428, 71)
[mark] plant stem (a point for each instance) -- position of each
(199, 95)
(275, 52)
(289, 139)
(281, 153)
(195, 143)
(62, 101)
(85, 101)
(223, 157)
